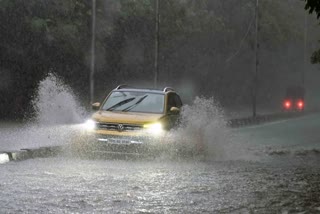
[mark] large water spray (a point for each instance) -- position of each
(55, 103)
(57, 113)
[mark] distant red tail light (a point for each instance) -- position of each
(287, 104)
(300, 104)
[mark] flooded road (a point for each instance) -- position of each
(271, 168)
(70, 185)
(277, 171)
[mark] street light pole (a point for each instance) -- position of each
(92, 64)
(156, 49)
(255, 81)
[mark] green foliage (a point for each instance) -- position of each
(313, 6)
(37, 37)
(277, 25)
(136, 8)
(315, 58)
(196, 39)
(38, 24)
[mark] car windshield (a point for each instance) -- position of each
(133, 101)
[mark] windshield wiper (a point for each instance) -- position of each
(135, 104)
(120, 103)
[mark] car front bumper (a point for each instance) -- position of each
(137, 144)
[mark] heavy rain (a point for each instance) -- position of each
(159, 106)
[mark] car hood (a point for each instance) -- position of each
(126, 117)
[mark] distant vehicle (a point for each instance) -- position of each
(132, 120)
(294, 99)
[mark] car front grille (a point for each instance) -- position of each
(119, 127)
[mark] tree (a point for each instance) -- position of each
(196, 40)
(38, 37)
(208, 43)
(313, 6)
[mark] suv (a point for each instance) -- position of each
(131, 120)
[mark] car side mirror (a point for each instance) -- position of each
(174, 110)
(95, 106)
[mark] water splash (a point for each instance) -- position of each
(55, 103)
(57, 113)
(203, 127)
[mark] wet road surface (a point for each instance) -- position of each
(284, 184)
(278, 171)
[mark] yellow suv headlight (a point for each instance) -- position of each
(89, 125)
(154, 128)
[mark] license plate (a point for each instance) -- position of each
(114, 140)
(119, 141)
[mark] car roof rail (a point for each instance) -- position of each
(122, 86)
(166, 89)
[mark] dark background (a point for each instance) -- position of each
(206, 48)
